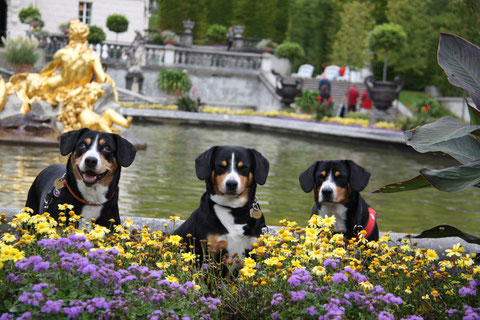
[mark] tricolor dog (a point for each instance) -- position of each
(89, 180)
(337, 185)
(228, 218)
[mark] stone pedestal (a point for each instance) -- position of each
(134, 81)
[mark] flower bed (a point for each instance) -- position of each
(53, 270)
(276, 114)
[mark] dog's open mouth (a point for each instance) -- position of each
(90, 177)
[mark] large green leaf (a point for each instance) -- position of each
(444, 231)
(454, 178)
(464, 149)
(474, 114)
(459, 59)
(444, 129)
(418, 182)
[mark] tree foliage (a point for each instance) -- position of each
(96, 35)
(117, 23)
(289, 50)
(28, 14)
(350, 45)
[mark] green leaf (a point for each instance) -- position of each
(444, 129)
(416, 183)
(474, 115)
(464, 149)
(459, 59)
(444, 231)
(454, 178)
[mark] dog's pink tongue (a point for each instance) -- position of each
(89, 177)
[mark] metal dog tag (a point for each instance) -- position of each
(256, 212)
(58, 183)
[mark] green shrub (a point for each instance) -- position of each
(21, 51)
(217, 33)
(264, 44)
(158, 39)
(29, 14)
(96, 35)
(187, 104)
(307, 102)
(289, 50)
(169, 37)
(117, 23)
(429, 107)
(170, 81)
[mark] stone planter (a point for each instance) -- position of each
(383, 93)
(288, 90)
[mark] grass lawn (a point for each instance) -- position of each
(409, 97)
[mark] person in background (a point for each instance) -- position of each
(324, 97)
(366, 101)
(229, 38)
(351, 96)
(325, 82)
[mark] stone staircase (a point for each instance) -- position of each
(338, 88)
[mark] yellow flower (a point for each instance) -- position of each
(187, 256)
(435, 293)
(455, 251)
(431, 255)
(174, 218)
(339, 252)
(328, 221)
(366, 285)
(174, 239)
(7, 238)
(128, 223)
(171, 279)
(319, 271)
(296, 264)
(99, 232)
(247, 272)
(249, 262)
(28, 238)
(163, 265)
(426, 297)
(408, 291)
(271, 261)
(476, 269)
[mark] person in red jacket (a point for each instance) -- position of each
(366, 101)
(351, 96)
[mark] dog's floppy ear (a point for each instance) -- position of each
(203, 164)
(68, 140)
(358, 176)
(307, 178)
(261, 167)
(125, 151)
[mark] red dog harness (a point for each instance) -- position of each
(372, 217)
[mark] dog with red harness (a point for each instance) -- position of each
(337, 185)
(90, 179)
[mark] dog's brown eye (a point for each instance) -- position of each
(337, 173)
(323, 173)
(224, 163)
(240, 164)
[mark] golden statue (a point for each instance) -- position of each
(71, 86)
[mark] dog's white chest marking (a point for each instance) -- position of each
(340, 213)
(237, 242)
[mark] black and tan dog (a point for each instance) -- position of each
(337, 185)
(228, 217)
(90, 179)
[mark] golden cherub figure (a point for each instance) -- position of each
(71, 86)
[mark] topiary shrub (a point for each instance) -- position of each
(117, 23)
(96, 35)
(217, 33)
(158, 39)
(289, 50)
(29, 14)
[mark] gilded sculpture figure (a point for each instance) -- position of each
(72, 86)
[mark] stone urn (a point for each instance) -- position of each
(288, 89)
(383, 93)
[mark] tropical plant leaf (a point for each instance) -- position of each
(444, 231)
(459, 59)
(444, 129)
(418, 182)
(464, 149)
(476, 100)
(453, 179)
(474, 114)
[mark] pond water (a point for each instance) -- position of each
(162, 182)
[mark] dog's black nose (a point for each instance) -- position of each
(91, 162)
(231, 185)
(327, 193)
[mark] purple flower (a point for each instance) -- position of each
(41, 266)
(6, 316)
(311, 311)
(412, 317)
(25, 316)
(28, 262)
(451, 312)
(384, 315)
(390, 298)
(89, 268)
(189, 284)
(128, 278)
(73, 312)
(299, 277)
(39, 286)
(210, 302)
(52, 306)
(277, 299)
(469, 289)
(275, 315)
(298, 295)
(330, 263)
(17, 279)
(471, 313)
(339, 277)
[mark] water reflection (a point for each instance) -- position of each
(162, 181)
